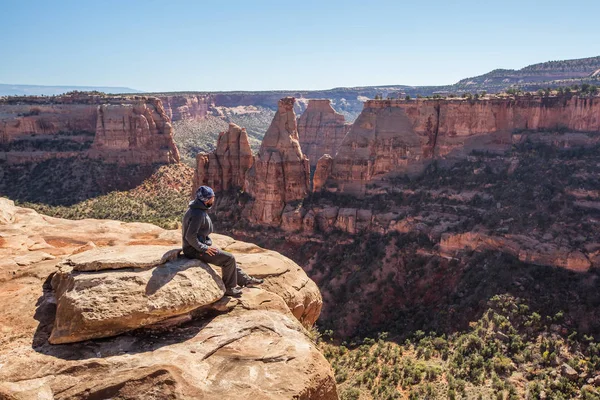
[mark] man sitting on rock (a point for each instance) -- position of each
(197, 226)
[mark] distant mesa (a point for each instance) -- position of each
(41, 90)
(117, 129)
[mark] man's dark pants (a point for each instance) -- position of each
(232, 273)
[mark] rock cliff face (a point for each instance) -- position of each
(182, 107)
(124, 130)
(320, 130)
(138, 133)
(393, 137)
(400, 137)
(226, 167)
(72, 281)
(280, 173)
(322, 172)
(524, 248)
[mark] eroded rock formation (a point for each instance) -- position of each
(124, 130)
(321, 130)
(139, 133)
(525, 248)
(225, 168)
(183, 107)
(256, 343)
(280, 173)
(322, 172)
(402, 137)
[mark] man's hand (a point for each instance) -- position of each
(212, 251)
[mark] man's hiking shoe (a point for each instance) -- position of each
(233, 292)
(253, 281)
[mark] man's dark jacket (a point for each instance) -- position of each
(196, 228)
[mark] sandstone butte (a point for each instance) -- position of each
(225, 168)
(186, 107)
(280, 174)
(321, 130)
(397, 137)
(402, 137)
(166, 329)
(125, 129)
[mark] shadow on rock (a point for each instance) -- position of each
(163, 274)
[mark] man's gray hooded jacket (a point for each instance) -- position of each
(196, 228)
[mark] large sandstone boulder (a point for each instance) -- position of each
(251, 347)
(283, 277)
(96, 305)
(7, 211)
(250, 351)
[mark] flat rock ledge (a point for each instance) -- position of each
(109, 278)
(94, 305)
(117, 257)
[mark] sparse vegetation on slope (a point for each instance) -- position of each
(195, 136)
(161, 200)
(511, 352)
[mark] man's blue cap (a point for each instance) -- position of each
(204, 193)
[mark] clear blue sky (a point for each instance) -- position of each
(301, 44)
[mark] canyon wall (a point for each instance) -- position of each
(321, 130)
(124, 130)
(397, 137)
(186, 106)
(226, 167)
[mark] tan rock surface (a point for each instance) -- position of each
(321, 130)
(283, 277)
(322, 172)
(125, 129)
(115, 257)
(250, 351)
(225, 168)
(256, 348)
(97, 305)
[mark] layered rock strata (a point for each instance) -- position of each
(281, 171)
(225, 168)
(124, 130)
(402, 137)
(186, 107)
(321, 130)
(256, 343)
(322, 172)
(525, 248)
